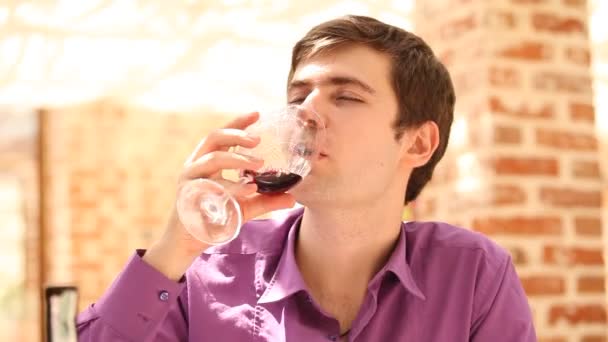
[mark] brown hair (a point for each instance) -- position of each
(421, 82)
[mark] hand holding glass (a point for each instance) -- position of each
(290, 139)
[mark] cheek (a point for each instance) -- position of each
(359, 140)
(371, 154)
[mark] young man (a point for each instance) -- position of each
(344, 267)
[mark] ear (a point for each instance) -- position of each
(419, 144)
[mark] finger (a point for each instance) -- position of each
(212, 163)
(222, 140)
(259, 204)
(228, 137)
(243, 121)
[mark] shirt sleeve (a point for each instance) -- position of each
(505, 314)
(141, 305)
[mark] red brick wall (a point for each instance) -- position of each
(523, 164)
(109, 183)
(599, 36)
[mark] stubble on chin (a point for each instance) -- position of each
(312, 193)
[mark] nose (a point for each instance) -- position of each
(317, 104)
(314, 103)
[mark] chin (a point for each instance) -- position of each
(311, 195)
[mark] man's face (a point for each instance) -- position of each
(350, 88)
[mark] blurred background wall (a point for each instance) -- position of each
(524, 163)
(19, 223)
(102, 101)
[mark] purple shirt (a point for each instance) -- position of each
(441, 283)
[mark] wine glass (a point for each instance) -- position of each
(290, 139)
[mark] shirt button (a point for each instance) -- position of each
(332, 337)
(164, 296)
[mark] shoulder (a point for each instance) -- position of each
(449, 240)
(453, 254)
(437, 250)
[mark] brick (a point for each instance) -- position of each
(566, 140)
(577, 314)
(528, 2)
(458, 27)
(507, 195)
(525, 166)
(591, 284)
(84, 234)
(576, 3)
(553, 23)
(572, 256)
(588, 226)
(522, 110)
(526, 226)
(552, 339)
(594, 338)
(554, 81)
(543, 285)
(568, 198)
(500, 19)
(504, 77)
(507, 135)
(582, 112)
(518, 255)
(586, 169)
(578, 55)
(467, 82)
(85, 204)
(529, 51)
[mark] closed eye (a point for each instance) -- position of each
(296, 101)
(347, 98)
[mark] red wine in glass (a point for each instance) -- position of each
(274, 181)
(290, 139)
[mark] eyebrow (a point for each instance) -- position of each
(334, 80)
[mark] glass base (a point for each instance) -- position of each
(208, 212)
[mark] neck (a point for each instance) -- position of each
(344, 248)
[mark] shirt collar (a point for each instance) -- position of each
(398, 265)
(288, 280)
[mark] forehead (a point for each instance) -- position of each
(354, 61)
